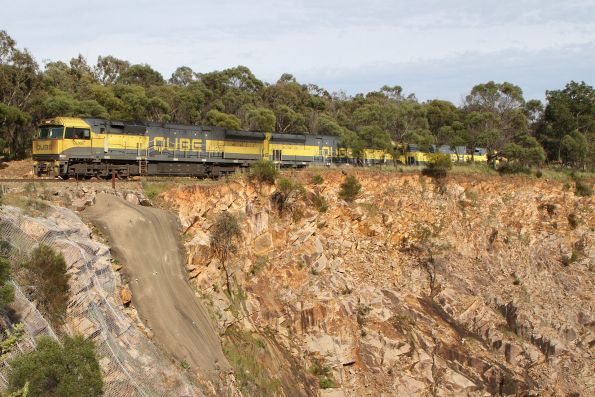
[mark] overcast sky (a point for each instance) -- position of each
(433, 48)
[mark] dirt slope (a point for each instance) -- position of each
(145, 240)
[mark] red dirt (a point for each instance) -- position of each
(16, 169)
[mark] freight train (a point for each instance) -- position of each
(90, 147)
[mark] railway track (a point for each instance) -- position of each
(48, 180)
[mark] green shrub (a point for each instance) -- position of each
(323, 373)
(288, 192)
(264, 171)
(572, 220)
(6, 289)
(289, 187)
(153, 189)
(318, 200)
(5, 249)
(538, 173)
(583, 189)
(508, 168)
(225, 235)
(11, 337)
(317, 179)
(246, 354)
(438, 166)
(53, 370)
(350, 188)
(49, 282)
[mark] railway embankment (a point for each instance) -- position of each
(477, 285)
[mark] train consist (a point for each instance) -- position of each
(87, 147)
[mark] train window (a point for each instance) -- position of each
(77, 133)
(51, 132)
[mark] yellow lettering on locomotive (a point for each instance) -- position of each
(168, 144)
(196, 145)
(184, 144)
(158, 142)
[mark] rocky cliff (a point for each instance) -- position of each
(477, 286)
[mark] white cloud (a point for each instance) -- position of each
(348, 42)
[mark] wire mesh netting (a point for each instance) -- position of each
(131, 364)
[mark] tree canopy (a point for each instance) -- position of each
(493, 115)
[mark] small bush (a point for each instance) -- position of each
(513, 168)
(438, 166)
(583, 189)
(225, 234)
(350, 188)
(264, 171)
(317, 179)
(318, 200)
(53, 370)
(153, 190)
(323, 373)
(49, 286)
(538, 173)
(287, 194)
(246, 354)
(6, 289)
(572, 220)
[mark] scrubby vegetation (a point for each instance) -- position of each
(6, 289)
(438, 166)
(53, 370)
(508, 168)
(48, 282)
(225, 235)
(582, 188)
(12, 335)
(246, 353)
(318, 201)
(264, 171)
(287, 194)
(153, 189)
(350, 188)
(317, 179)
(323, 373)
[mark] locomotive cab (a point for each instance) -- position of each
(56, 138)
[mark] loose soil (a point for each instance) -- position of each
(145, 241)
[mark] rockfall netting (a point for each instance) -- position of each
(131, 364)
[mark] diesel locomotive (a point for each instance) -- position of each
(89, 147)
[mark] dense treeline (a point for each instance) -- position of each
(493, 115)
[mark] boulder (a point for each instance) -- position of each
(125, 295)
(132, 198)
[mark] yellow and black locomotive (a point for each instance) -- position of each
(87, 147)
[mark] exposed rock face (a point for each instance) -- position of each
(485, 288)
